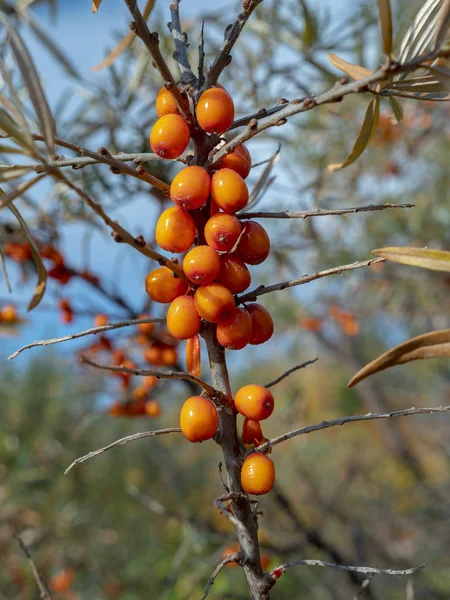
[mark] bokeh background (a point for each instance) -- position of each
(139, 521)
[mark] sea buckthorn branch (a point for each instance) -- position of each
(181, 44)
(261, 113)
(319, 212)
(352, 419)
(266, 289)
(290, 371)
(232, 33)
(122, 442)
(44, 594)
(235, 557)
(92, 331)
(210, 390)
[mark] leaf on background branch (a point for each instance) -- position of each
(10, 172)
(384, 8)
(40, 268)
(397, 109)
(436, 260)
(96, 5)
(264, 180)
(435, 344)
(442, 25)
(367, 130)
(5, 270)
(354, 71)
(420, 35)
(20, 189)
(12, 128)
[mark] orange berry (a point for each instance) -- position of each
(254, 402)
(170, 136)
(193, 356)
(146, 328)
(201, 265)
(234, 333)
(152, 408)
(175, 230)
(239, 160)
(162, 286)
(252, 432)
(190, 188)
(165, 103)
(229, 190)
(153, 355)
(62, 581)
(67, 316)
(265, 561)
(198, 419)
(262, 324)
(254, 245)
(169, 356)
(232, 549)
(222, 231)
(100, 320)
(140, 393)
(149, 382)
(215, 110)
(183, 320)
(257, 474)
(8, 313)
(234, 273)
(214, 302)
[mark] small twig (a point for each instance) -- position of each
(363, 570)
(289, 371)
(225, 512)
(259, 114)
(228, 559)
(232, 34)
(181, 45)
(201, 58)
(210, 391)
(259, 291)
(343, 420)
(122, 442)
(43, 591)
(5, 270)
(92, 331)
(304, 214)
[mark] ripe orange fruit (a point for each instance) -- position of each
(153, 355)
(231, 549)
(234, 273)
(193, 356)
(198, 419)
(183, 320)
(8, 313)
(100, 320)
(222, 231)
(257, 474)
(163, 286)
(252, 432)
(201, 265)
(152, 408)
(169, 356)
(262, 324)
(215, 110)
(149, 382)
(254, 245)
(239, 160)
(175, 230)
(66, 316)
(234, 333)
(165, 103)
(139, 394)
(146, 328)
(61, 582)
(265, 561)
(254, 402)
(214, 302)
(190, 188)
(229, 190)
(170, 136)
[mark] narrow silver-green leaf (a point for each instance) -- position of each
(436, 260)
(5, 269)
(263, 180)
(6, 199)
(384, 8)
(397, 109)
(10, 172)
(12, 128)
(420, 33)
(442, 25)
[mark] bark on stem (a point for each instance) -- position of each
(247, 528)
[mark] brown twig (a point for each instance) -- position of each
(92, 331)
(289, 371)
(363, 570)
(304, 214)
(43, 591)
(228, 559)
(263, 289)
(122, 442)
(352, 419)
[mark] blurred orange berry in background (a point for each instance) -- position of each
(146, 328)
(100, 320)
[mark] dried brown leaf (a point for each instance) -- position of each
(12, 128)
(96, 5)
(356, 72)
(436, 260)
(384, 8)
(435, 344)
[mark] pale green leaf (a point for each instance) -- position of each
(436, 260)
(397, 109)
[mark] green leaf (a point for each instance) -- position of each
(435, 344)
(436, 260)
(384, 8)
(442, 25)
(397, 108)
(368, 127)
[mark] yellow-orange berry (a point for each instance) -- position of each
(234, 333)
(239, 160)
(257, 474)
(215, 110)
(149, 382)
(254, 245)
(146, 328)
(229, 190)
(8, 313)
(232, 549)
(252, 432)
(100, 320)
(162, 286)
(152, 408)
(262, 324)
(170, 136)
(222, 231)
(265, 561)
(165, 103)
(214, 302)
(254, 402)
(175, 230)
(198, 419)
(190, 188)
(183, 320)
(169, 356)
(140, 394)
(153, 355)
(234, 273)
(201, 265)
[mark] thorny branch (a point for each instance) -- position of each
(266, 289)
(228, 559)
(122, 442)
(319, 212)
(181, 45)
(43, 591)
(343, 420)
(289, 372)
(92, 331)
